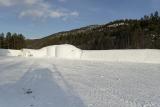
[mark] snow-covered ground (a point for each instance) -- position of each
(65, 76)
(52, 82)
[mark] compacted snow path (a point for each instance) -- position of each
(38, 82)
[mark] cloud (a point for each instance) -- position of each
(7, 2)
(31, 2)
(39, 9)
(46, 13)
(75, 13)
(62, 0)
(18, 2)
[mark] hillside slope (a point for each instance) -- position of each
(121, 34)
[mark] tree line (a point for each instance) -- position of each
(12, 41)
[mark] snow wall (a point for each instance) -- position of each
(137, 55)
(67, 51)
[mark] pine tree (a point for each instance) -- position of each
(15, 41)
(7, 41)
(2, 40)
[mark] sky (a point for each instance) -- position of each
(40, 18)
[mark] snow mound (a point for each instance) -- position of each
(67, 51)
(58, 51)
(33, 53)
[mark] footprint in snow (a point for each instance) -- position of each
(28, 91)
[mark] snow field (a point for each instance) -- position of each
(46, 82)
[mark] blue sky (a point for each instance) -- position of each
(39, 18)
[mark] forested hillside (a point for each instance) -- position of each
(119, 34)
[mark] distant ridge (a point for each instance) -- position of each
(120, 34)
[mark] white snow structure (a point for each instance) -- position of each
(58, 51)
(51, 51)
(34, 53)
(67, 51)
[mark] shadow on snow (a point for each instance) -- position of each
(39, 88)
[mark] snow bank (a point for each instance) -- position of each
(34, 53)
(9, 52)
(141, 55)
(67, 51)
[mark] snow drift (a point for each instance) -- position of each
(67, 51)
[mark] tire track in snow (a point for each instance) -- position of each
(30, 69)
(14, 71)
(73, 97)
(44, 68)
(11, 63)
